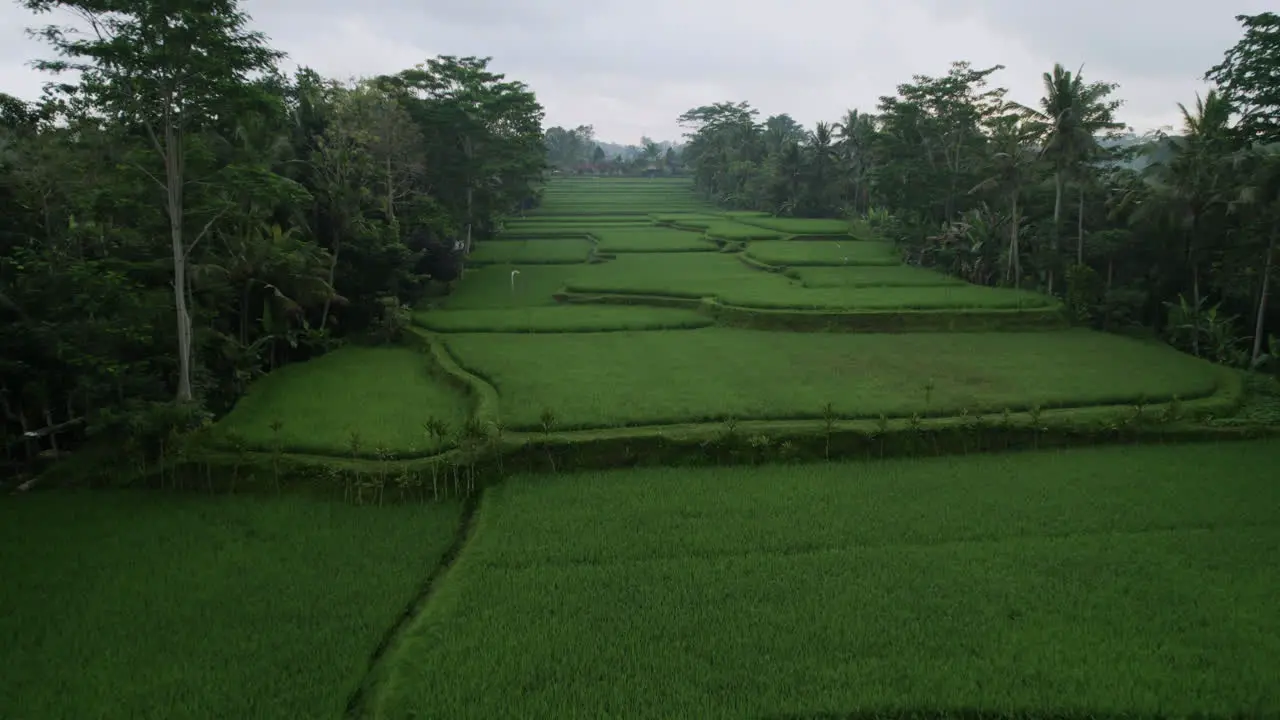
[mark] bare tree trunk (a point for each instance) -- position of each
(173, 187)
(1015, 262)
(1260, 324)
(391, 199)
(1080, 229)
(333, 275)
(1057, 227)
(1195, 284)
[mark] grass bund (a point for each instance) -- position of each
(1114, 581)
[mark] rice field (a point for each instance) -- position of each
(383, 395)
(1124, 581)
(648, 240)
(651, 378)
(142, 606)
(548, 251)
(1103, 581)
(723, 276)
(562, 319)
(823, 252)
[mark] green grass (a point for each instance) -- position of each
(550, 251)
(649, 240)
(562, 318)
(691, 275)
(723, 229)
(620, 379)
(800, 226)
(132, 606)
(1133, 579)
(385, 394)
(823, 252)
(861, 276)
(490, 287)
(576, 220)
(698, 275)
(946, 297)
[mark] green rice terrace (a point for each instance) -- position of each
(913, 497)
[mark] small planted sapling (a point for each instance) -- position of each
(928, 392)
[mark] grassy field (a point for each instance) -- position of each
(384, 394)
(823, 252)
(799, 226)
(562, 319)
(492, 287)
(872, 276)
(1110, 580)
(129, 606)
(655, 239)
(618, 379)
(726, 277)
(549, 251)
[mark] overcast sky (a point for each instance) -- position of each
(630, 67)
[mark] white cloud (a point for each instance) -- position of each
(631, 68)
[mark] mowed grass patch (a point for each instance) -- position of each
(493, 286)
(656, 239)
(562, 319)
(1076, 582)
(548, 251)
(137, 606)
(864, 276)
(823, 252)
(622, 379)
(384, 394)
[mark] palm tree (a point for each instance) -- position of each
(1260, 193)
(1194, 181)
(1071, 115)
(856, 132)
(1012, 162)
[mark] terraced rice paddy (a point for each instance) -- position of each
(1108, 582)
(608, 380)
(1111, 581)
(136, 606)
(383, 395)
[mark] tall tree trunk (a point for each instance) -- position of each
(1080, 229)
(1015, 262)
(173, 187)
(391, 202)
(1057, 226)
(333, 274)
(1195, 316)
(1259, 325)
(1195, 284)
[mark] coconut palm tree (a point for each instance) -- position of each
(856, 131)
(1072, 114)
(1012, 163)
